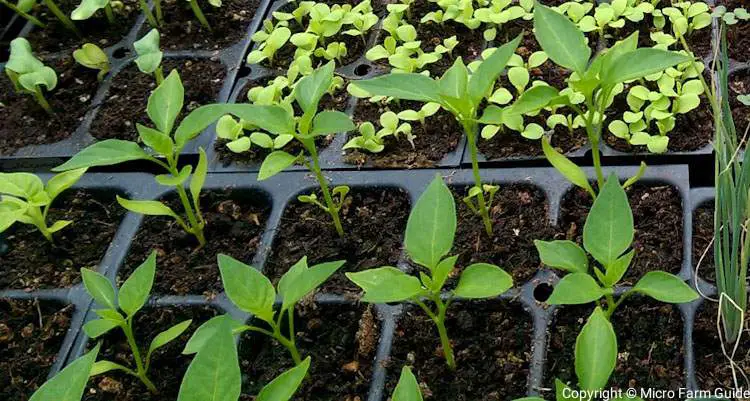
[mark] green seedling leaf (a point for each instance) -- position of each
(608, 230)
(304, 280)
(640, 63)
(59, 183)
(170, 180)
(87, 8)
(70, 383)
(565, 255)
(24, 185)
(206, 331)
(167, 336)
(249, 289)
(311, 88)
(442, 271)
(147, 207)
(596, 352)
(431, 227)
(100, 288)
(575, 289)
(331, 122)
(101, 367)
(276, 162)
(453, 83)
(283, 387)
(560, 39)
(165, 102)
(161, 143)
(407, 388)
(149, 55)
(665, 287)
(105, 153)
(566, 167)
(386, 284)
(483, 280)
(402, 86)
(533, 100)
(199, 178)
(134, 291)
(91, 56)
(484, 77)
(99, 327)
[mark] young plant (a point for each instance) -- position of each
(270, 39)
(687, 17)
(427, 110)
(70, 383)
(731, 17)
(253, 293)
(88, 8)
(234, 131)
(164, 105)
(149, 55)
(430, 231)
(119, 308)
(459, 93)
(92, 56)
(28, 74)
(214, 373)
(368, 139)
(26, 200)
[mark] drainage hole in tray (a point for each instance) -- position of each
(542, 292)
(362, 70)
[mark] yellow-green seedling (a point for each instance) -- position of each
(149, 55)
(92, 56)
(28, 74)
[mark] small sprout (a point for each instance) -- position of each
(390, 123)
(686, 17)
(731, 17)
(233, 130)
(26, 200)
(91, 56)
(28, 74)
(427, 110)
(88, 8)
(270, 42)
(367, 140)
(430, 232)
(334, 51)
(447, 47)
(149, 55)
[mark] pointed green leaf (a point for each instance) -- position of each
(150, 208)
(167, 336)
(203, 334)
(665, 287)
(565, 255)
(105, 153)
(575, 289)
(640, 63)
(386, 284)
(135, 290)
(331, 122)
(276, 162)
(70, 383)
(98, 327)
(596, 352)
(486, 74)
(402, 86)
(431, 227)
(307, 281)
(559, 37)
(165, 102)
(407, 388)
(311, 88)
(483, 280)
(283, 387)
(247, 288)
(100, 288)
(567, 168)
(608, 231)
(63, 181)
(159, 142)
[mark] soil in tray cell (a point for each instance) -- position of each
(31, 334)
(24, 122)
(492, 345)
(183, 31)
(127, 97)
(374, 220)
(712, 368)
(55, 38)
(738, 35)
(649, 341)
(168, 365)
(657, 214)
(739, 84)
(439, 136)
(703, 234)
(31, 262)
(235, 220)
(342, 340)
(519, 216)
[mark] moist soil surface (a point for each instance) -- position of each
(56, 38)
(338, 101)
(712, 369)
(234, 224)
(182, 30)
(24, 122)
(127, 97)
(492, 346)
(657, 214)
(32, 262)
(374, 222)
(739, 84)
(439, 136)
(650, 348)
(738, 36)
(342, 340)
(703, 233)
(31, 334)
(519, 216)
(168, 365)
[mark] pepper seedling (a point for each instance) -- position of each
(149, 55)
(119, 308)
(164, 105)
(92, 56)
(28, 74)
(430, 232)
(253, 292)
(69, 382)
(26, 200)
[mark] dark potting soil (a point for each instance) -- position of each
(235, 220)
(183, 31)
(342, 340)
(127, 97)
(168, 365)
(649, 343)
(738, 36)
(703, 233)
(657, 214)
(439, 136)
(739, 84)
(32, 262)
(56, 38)
(519, 216)
(712, 369)
(24, 122)
(339, 101)
(492, 346)
(374, 222)
(31, 334)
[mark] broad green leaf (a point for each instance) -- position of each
(307, 281)
(147, 207)
(167, 336)
(59, 183)
(624, 46)
(665, 287)
(616, 270)
(608, 230)
(199, 178)
(276, 162)
(100, 288)
(561, 39)
(23, 185)
(249, 289)
(92, 56)
(565, 255)
(454, 81)
(432, 225)
(202, 335)
(149, 55)
(87, 8)
(640, 63)
(442, 271)
(70, 383)
(486, 74)
(407, 388)
(402, 86)
(533, 100)
(331, 122)
(105, 153)
(575, 289)
(98, 327)
(170, 180)
(386, 284)
(596, 352)
(165, 102)
(214, 374)
(567, 168)
(134, 291)
(483, 280)
(283, 387)
(158, 141)
(311, 88)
